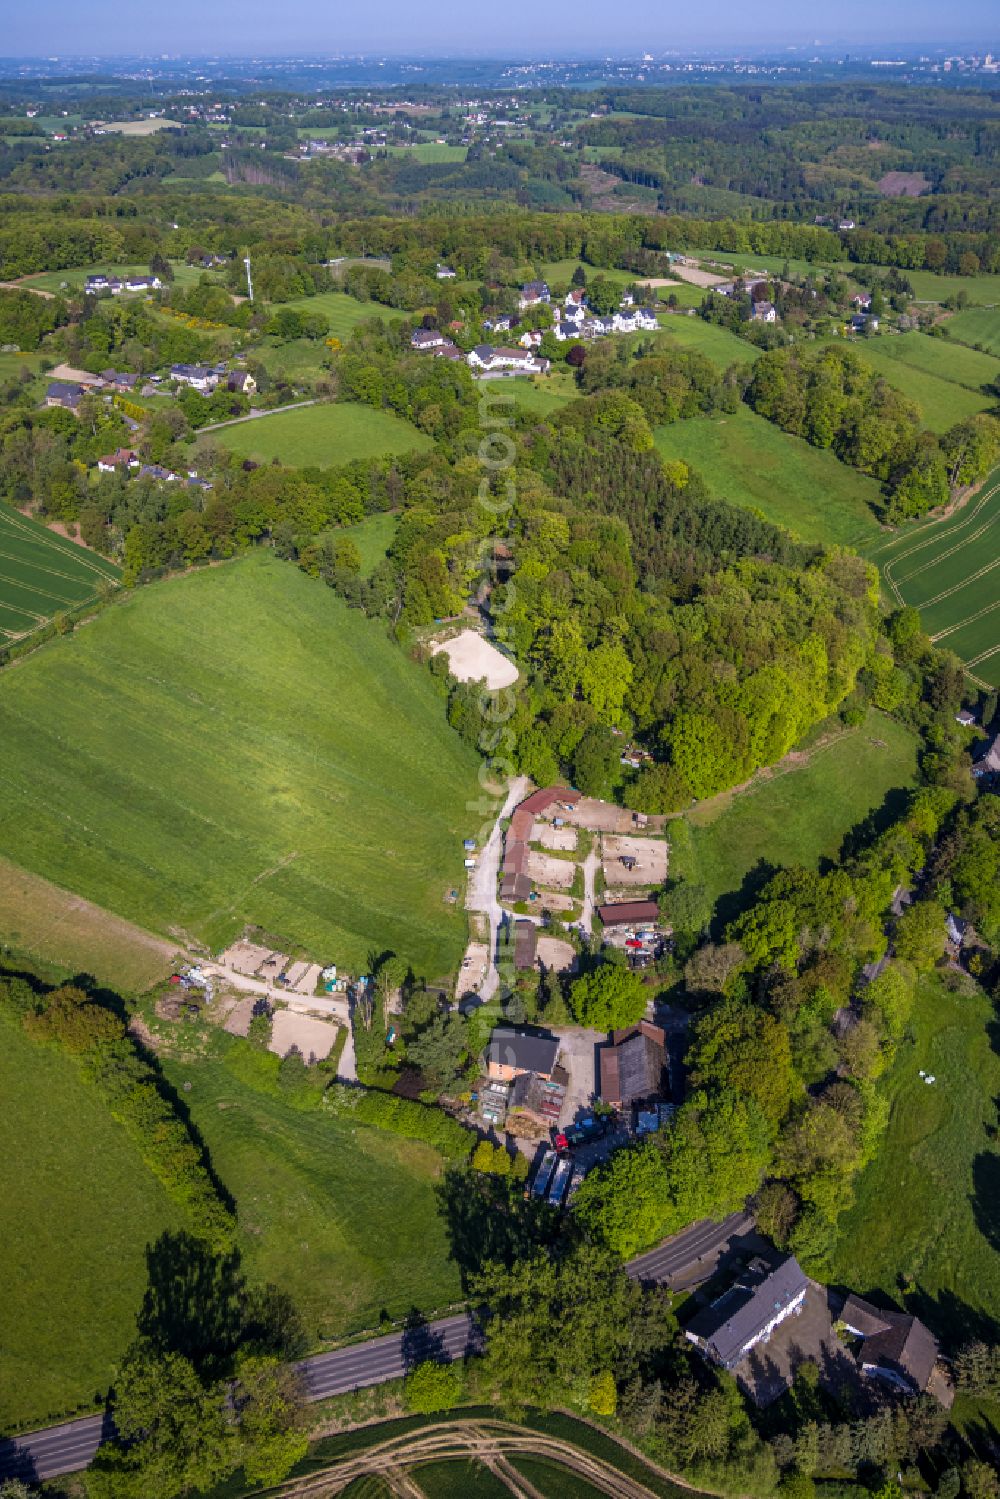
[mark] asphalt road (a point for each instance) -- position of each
(67, 1448)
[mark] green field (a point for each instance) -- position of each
(938, 1166)
(236, 745)
(799, 814)
(298, 359)
(540, 397)
(977, 325)
(42, 574)
(560, 271)
(554, 1481)
(717, 344)
(73, 279)
(751, 462)
(429, 153)
(342, 1217)
(459, 1479)
(79, 1208)
(945, 380)
(325, 435)
(948, 570)
(344, 312)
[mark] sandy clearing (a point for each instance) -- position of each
(693, 274)
(555, 874)
(39, 291)
(314, 1038)
(474, 967)
(139, 127)
(473, 659)
(650, 855)
(551, 837)
(554, 953)
(69, 372)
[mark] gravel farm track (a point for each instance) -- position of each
(491, 1443)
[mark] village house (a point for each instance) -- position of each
(862, 301)
(124, 458)
(965, 718)
(893, 1347)
(486, 358)
(444, 273)
(989, 764)
(157, 472)
(423, 339)
(512, 1053)
(746, 1314)
(241, 382)
(64, 393)
(197, 376)
(863, 322)
(633, 1067)
(533, 294)
(764, 312)
(120, 381)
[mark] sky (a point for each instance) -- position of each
(518, 28)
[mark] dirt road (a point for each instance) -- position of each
(482, 895)
(337, 1009)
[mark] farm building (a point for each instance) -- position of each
(894, 1346)
(525, 945)
(633, 1066)
(629, 913)
(65, 394)
(512, 1052)
(427, 338)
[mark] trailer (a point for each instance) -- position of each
(543, 1175)
(560, 1181)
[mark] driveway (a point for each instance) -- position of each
(578, 1054)
(482, 894)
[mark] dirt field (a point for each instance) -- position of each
(51, 925)
(68, 372)
(558, 838)
(650, 855)
(473, 969)
(696, 276)
(314, 1038)
(554, 953)
(554, 874)
(549, 901)
(903, 184)
(140, 127)
(473, 659)
(237, 1022)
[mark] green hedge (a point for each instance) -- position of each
(400, 1116)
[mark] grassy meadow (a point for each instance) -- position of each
(799, 811)
(342, 1217)
(236, 745)
(717, 344)
(344, 312)
(751, 462)
(540, 397)
(938, 1165)
(948, 570)
(977, 325)
(325, 435)
(945, 380)
(373, 537)
(72, 279)
(42, 574)
(79, 1208)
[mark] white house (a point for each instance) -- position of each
(533, 294)
(531, 339)
(198, 376)
(445, 273)
(623, 322)
(488, 359)
(427, 338)
(646, 318)
(764, 312)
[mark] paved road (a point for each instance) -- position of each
(689, 1256)
(67, 1448)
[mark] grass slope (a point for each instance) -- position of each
(343, 1218)
(800, 812)
(717, 344)
(948, 570)
(236, 745)
(322, 435)
(42, 574)
(940, 378)
(344, 312)
(750, 462)
(977, 325)
(938, 1166)
(79, 1208)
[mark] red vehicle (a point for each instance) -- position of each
(632, 942)
(560, 1141)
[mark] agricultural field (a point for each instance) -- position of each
(297, 359)
(79, 1208)
(751, 462)
(342, 1217)
(428, 153)
(948, 570)
(60, 935)
(559, 271)
(236, 745)
(344, 312)
(326, 435)
(977, 325)
(945, 380)
(799, 811)
(938, 1165)
(140, 127)
(717, 344)
(43, 575)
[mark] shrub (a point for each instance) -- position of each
(400, 1116)
(434, 1387)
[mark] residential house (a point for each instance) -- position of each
(64, 393)
(623, 322)
(124, 458)
(845, 224)
(863, 322)
(448, 351)
(965, 718)
(198, 376)
(764, 312)
(531, 339)
(122, 382)
(512, 1052)
(633, 1066)
(645, 317)
(427, 338)
(862, 301)
(158, 472)
(142, 283)
(520, 361)
(241, 382)
(894, 1346)
(533, 294)
(746, 1314)
(444, 273)
(989, 764)
(628, 300)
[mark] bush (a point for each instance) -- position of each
(434, 1387)
(400, 1116)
